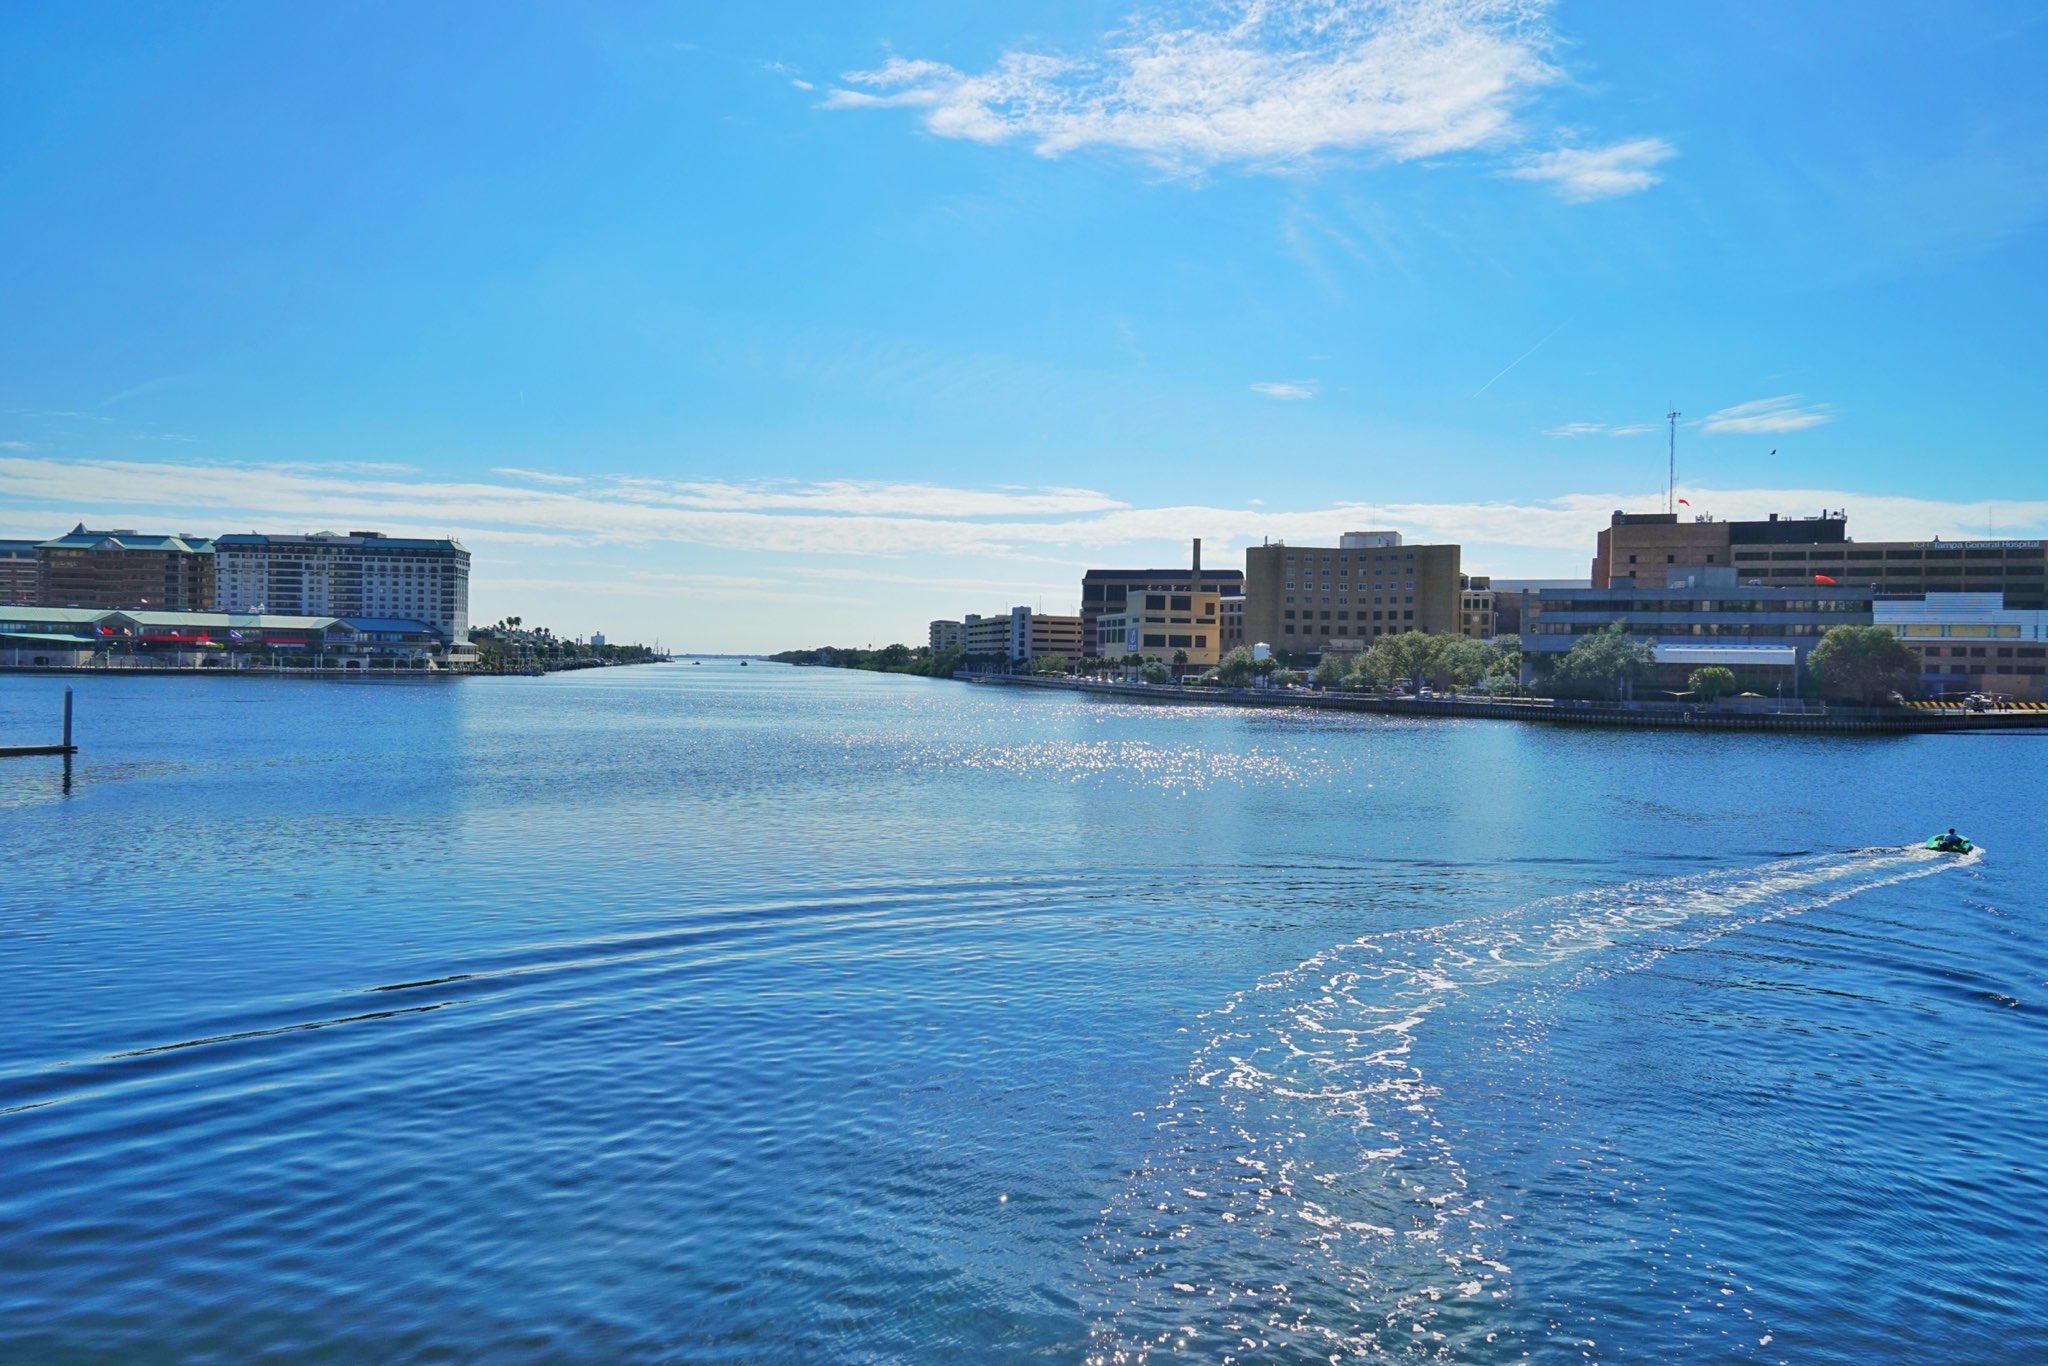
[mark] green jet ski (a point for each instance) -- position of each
(1950, 843)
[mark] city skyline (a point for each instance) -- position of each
(729, 329)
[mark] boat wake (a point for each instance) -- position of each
(1302, 1198)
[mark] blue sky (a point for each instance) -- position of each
(761, 326)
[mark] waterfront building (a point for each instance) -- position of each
(1343, 597)
(60, 636)
(1640, 549)
(1107, 590)
(1973, 643)
(947, 635)
(1475, 606)
(362, 574)
(1163, 625)
(1022, 634)
(1644, 548)
(1700, 607)
(109, 569)
(2016, 570)
(18, 577)
(1511, 597)
(1230, 610)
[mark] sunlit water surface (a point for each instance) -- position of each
(709, 1013)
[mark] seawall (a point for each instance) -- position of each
(1628, 715)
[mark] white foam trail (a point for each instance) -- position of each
(1299, 1149)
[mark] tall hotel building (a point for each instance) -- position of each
(362, 574)
(125, 569)
(1343, 597)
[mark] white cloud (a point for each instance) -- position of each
(1267, 83)
(1292, 389)
(871, 520)
(1583, 173)
(16, 446)
(536, 476)
(1600, 429)
(1785, 413)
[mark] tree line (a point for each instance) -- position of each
(1849, 663)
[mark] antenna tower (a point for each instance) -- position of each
(1671, 471)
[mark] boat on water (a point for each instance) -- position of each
(1949, 843)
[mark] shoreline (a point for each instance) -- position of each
(266, 671)
(1823, 720)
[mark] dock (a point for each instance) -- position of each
(63, 748)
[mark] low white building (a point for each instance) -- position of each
(1972, 643)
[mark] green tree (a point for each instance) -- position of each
(1333, 669)
(1405, 656)
(1155, 672)
(1603, 663)
(1504, 670)
(1284, 678)
(1864, 664)
(1236, 669)
(1459, 661)
(1180, 661)
(1711, 682)
(1049, 664)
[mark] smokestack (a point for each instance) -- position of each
(1197, 587)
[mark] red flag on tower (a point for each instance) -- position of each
(1822, 578)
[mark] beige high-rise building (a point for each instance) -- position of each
(1301, 598)
(1645, 549)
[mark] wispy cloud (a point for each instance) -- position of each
(1600, 429)
(148, 386)
(1785, 413)
(537, 476)
(1265, 83)
(788, 73)
(1585, 173)
(16, 446)
(1292, 389)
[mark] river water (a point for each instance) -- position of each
(708, 1013)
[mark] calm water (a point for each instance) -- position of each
(712, 1013)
